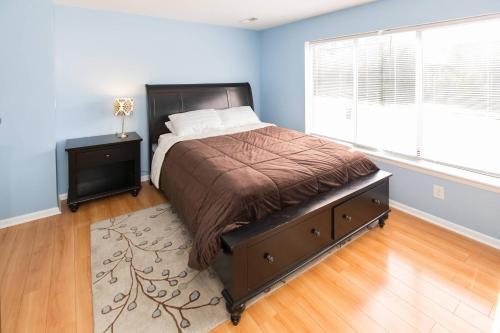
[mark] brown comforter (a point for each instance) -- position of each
(215, 182)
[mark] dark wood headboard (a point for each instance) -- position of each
(167, 99)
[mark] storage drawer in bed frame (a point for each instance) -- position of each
(256, 256)
(355, 212)
(277, 253)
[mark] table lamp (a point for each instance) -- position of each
(123, 107)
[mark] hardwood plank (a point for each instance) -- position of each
(329, 321)
(14, 280)
(337, 302)
(483, 262)
(274, 325)
(475, 318)
(431, 229)
(33, 311)
(495, 315)
(432, 241)
(480, 288)
(370, 305)
(6, 249)
(83, 280)
(293, 320)
(428, 306)
(412, 262)
(246, 325)
(415, 225)
(62, 293)
(439, 329)
(442, 268)
(403, 269)
(315, 308)
(404, 310)
(441, 259)
(262, 310)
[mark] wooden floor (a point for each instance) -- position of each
(409, 276)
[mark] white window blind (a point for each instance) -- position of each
(386, 92)
(461, 101)
(431, 93)
(333, 89)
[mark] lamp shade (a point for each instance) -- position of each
(123, 106)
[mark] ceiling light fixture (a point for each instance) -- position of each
(249, 20)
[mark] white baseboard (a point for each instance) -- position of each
(42, 213)
(64, 196)
(469, 233)
(29, 217)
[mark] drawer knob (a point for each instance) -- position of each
(376, 201)
(316, 232)
(347, 217)
(269, 258)
(107, 155)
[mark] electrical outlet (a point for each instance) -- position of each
(438, 192)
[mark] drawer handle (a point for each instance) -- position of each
(269, 258)
(316, 232)
(347, 217)
(376, 201)
(107, 155)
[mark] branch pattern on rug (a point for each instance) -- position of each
(144, 271)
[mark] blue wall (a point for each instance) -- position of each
(282, 94)
(100, 55)
(27, 138)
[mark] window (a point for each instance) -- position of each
(430, 93)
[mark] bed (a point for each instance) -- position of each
(261, 201)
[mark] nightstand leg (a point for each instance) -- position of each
(135, 192)
(73, 207)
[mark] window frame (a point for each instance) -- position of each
(486, 178)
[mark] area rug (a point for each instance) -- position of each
(141, 281)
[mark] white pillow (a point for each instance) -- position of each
(170, 127)
(193, 122)
(237, 116)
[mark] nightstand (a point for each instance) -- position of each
(104, 165)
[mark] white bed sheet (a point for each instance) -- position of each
(166, 141)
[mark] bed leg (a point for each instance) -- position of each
(235, 312)
(381, 221)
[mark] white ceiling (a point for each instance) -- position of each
(270, 13)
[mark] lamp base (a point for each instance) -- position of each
(122, 135)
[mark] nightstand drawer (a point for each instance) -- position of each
(104, 156)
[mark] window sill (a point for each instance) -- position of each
(466, 177)
(470, 178)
